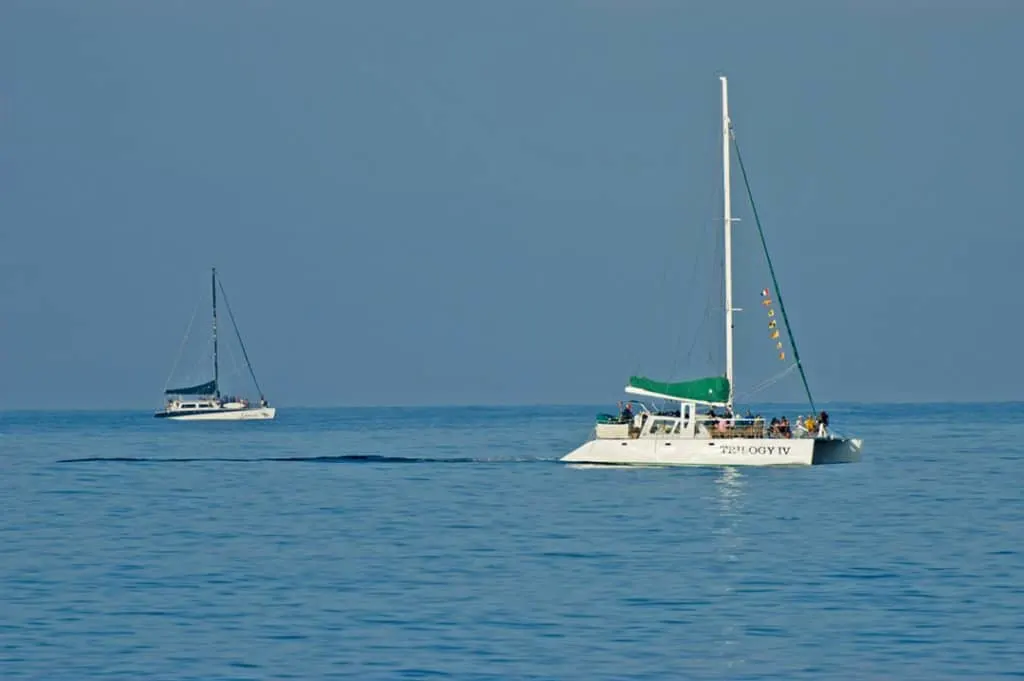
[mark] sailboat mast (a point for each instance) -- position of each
(728, 237)
(216, 366)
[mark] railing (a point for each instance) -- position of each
(735, 427)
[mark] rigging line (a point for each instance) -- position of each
(771, 268)
(700, 327)
(705, 315)
(238, 335)
(700, 244)
(707, 234)
(677, 327)
(232, 362)
(763, 385)
(712, 302)
(181, 347)
(691, 285)
(720, 258)
(667, 260)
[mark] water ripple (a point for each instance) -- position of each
(118, 560)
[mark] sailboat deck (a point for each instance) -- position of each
(670, 425)
(732, 431)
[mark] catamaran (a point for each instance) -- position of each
(204, 401)
(690, 432)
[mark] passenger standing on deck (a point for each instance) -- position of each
(784, 428)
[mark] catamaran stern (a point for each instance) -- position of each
(837, 450)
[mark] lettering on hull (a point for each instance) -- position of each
(755, 450)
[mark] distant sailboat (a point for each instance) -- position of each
(680, 435)
(204, 402)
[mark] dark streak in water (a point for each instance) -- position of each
(346, 458)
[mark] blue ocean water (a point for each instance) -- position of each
(448, 543)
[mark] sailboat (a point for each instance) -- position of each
(204, 402)
(690, 431)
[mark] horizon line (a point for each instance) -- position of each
(511, 405)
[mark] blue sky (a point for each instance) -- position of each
(482, 202)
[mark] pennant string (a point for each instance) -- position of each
(772, 324)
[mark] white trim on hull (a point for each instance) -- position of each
(653, 451)
(254, 414)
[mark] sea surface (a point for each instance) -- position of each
(448, 543)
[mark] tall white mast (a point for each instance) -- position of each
(728, 237)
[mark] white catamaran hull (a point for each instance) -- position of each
(726, 452)
(255, 414)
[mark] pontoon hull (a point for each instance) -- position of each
(724, 452)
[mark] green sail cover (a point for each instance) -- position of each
(714, 389)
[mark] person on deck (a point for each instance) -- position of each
(822, 423)
(809, 425)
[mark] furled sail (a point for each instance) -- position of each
(208, 388)
(713, 390)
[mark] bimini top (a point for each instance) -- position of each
(713, 390)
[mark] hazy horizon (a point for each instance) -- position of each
(608, 405)
(459, 203)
